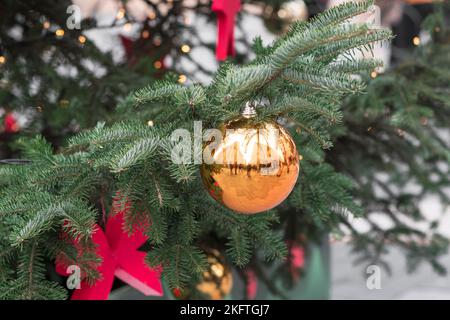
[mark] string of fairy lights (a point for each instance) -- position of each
(123, 20)
(185, 48)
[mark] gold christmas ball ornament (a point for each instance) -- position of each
(278, 19)
(250, 166)
(216, 282)
(292, 11)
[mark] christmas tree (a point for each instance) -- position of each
(396, 133)
(53, 71)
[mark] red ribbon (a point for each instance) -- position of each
(10, 123)
(252, 284)
(121, 258)
(297, 259)
(226, 11)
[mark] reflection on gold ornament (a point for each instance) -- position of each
(216, 282)
(253, 168)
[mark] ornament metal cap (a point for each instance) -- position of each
(249, 110)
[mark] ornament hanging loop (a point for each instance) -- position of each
(249, 110)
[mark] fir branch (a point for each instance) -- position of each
(159, 91)
(134, 153)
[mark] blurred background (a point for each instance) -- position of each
(127, 44)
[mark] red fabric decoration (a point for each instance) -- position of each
(297, 259)
(133, 57)
(10, 123)
(226, 11)
(298, 256)
(127, 45)
(252, 284)
(177, 293)
(121, 258)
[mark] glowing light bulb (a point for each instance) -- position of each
(127, 27)
(182, 78)
(59, 32)
(82, 39)
(282, 13)
(187, 21)
(157, 41)
(185, 48)
(120, 13)
(151, 15)
(157, 64)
